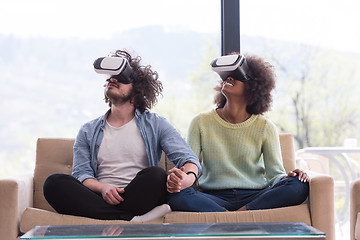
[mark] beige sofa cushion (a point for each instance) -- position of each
(298, 213)
(357, 227)
(287, 151)
(52, 156)
(34, 216)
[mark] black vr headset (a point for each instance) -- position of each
(115, 67)
(234, 66)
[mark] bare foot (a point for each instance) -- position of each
(243, 208)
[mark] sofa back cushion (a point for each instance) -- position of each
(55, 155)
(287, 151)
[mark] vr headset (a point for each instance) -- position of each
(234, 66)
(115, 67)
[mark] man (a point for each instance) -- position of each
(115, 166)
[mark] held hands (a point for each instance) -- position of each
(111, 194)
(178, 180)
(303, 177)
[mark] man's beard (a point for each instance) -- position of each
(119, 99)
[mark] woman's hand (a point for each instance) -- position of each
(303, 177)
(178, 180)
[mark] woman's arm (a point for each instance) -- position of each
(194, 136)
(274, 168)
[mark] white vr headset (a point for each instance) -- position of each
(115, 67)
(234, 66)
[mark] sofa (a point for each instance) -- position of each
(355, 210)
(23, 205)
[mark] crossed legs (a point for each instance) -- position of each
(68, 196)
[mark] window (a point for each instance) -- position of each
(314, 48)
(49, 88)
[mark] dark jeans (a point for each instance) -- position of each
(68, 196)
(287, 192)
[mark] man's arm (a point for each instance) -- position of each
(82, 156)
(175, 146)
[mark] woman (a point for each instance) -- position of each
(240, 149)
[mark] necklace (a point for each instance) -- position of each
(222, 114)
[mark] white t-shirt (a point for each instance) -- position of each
(121, 155)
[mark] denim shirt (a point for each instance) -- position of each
(158, 134)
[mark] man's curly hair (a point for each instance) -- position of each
(258, 90)
(146, 86)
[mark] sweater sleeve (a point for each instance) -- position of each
(194, 136)
(271, 150)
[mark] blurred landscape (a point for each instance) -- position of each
(49, 88)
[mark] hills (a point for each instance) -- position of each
(49, 89)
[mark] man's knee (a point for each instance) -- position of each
(51, 180)
(155, 174)
(54, 181)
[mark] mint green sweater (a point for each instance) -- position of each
(245, 155)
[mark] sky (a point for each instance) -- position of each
(328, 23)
(99, 19)
(332, 24)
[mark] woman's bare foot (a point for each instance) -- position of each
(243, 208)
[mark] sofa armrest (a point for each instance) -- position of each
(321, 198)
(16, 195)
(354, 206)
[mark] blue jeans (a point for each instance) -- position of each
(287, 192)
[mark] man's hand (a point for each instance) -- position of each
(113, 230)
(178, 180)
(111, 194)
